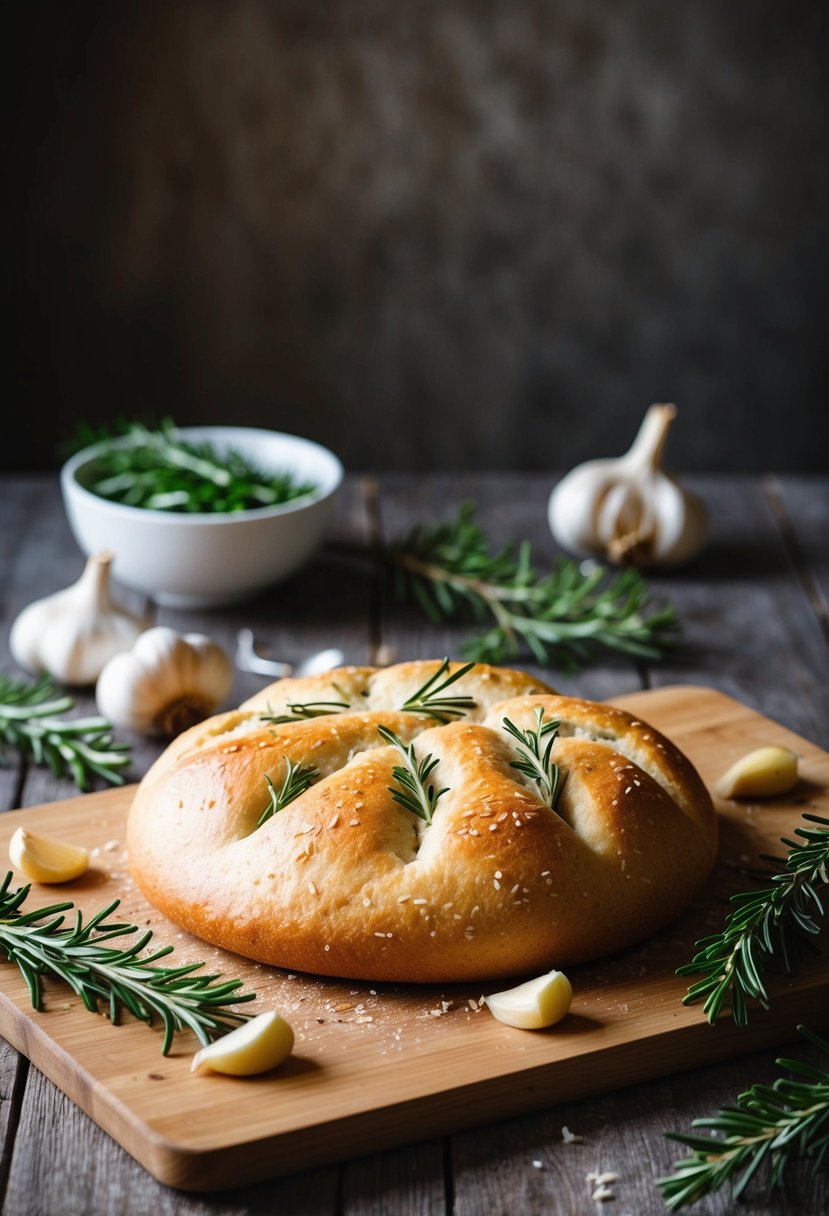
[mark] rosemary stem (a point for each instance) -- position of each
(438, 574)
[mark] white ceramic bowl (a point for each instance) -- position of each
(205, 560)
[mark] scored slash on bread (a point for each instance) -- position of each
(346, 881)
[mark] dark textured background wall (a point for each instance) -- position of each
(453, 233)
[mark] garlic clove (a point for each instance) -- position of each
(72, 634)
(534, 1005)
(762, 773)
(166, 683)
(629, 510)
(46, 860)
(256, 1046)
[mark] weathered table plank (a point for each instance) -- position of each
(753, 610)
(801, 505)
(65, 1164)
(13, 1069)
(409, 1181)
(749, 627)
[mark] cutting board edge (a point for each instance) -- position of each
(92, 1096)
(475, 1104)
(186, 1167)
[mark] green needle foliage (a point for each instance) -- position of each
(181, 999)
(536, 756)
(416, 793)
(296, 782)
(780, 920)
(30, 723)
(428, 701)
(776, 1124)
(159, 470)
(302, 711)
(563, 618)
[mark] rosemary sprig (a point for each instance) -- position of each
(300, 711)
(777, 1124)
(416, 793)
(30, 723)
(159, 470)
(427, 700)
(296, 781)
(564, 617)
(536, 756)
(779, 919)
(39, 945)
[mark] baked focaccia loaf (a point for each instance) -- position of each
(346, 880)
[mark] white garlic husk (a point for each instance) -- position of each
(72, 634)
(629, 510)
(166, 683)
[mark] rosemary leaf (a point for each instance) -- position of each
(536, 756)
(179, 997)
(780, 920)
(774, 1124)
(428, 701)
(80, 747)
(157, 469)
(299, 711)
(415, 792)
(296, 781)
(563, 618)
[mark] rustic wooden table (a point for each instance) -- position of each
(756, 625)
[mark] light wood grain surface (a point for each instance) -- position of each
(374, 1063)
(755, 627)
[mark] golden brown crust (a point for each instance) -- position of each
(344, 881)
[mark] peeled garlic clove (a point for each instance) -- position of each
(46, 860)
(763, 773)
(537, 1003)
(256, 1046)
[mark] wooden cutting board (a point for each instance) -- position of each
(382, 1064)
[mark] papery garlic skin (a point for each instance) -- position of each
(166, 683)
(629, 510)
(72, 634)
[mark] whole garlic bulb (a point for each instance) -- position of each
(73, 633)
(629, 510)
(167, 682)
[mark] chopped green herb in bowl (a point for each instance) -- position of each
(161, 470)
(201, 516)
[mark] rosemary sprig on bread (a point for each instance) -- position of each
(536, 756)
(295, 782)
(414, 791)
(428, 700)
(302, 711)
